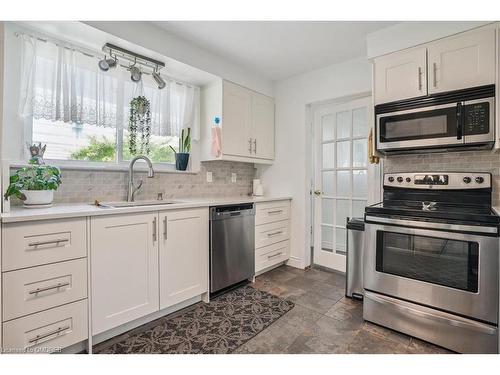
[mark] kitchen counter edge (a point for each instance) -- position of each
(64, 211)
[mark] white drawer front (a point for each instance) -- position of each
(268, 234)
(39, 288)
(47, 331)
(270, 212)
(270, 255)
(31, 244)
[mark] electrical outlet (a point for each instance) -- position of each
(233, 177)
(209, 177)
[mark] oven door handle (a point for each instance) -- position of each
(432, 316)
(433, 225)
(460, 121)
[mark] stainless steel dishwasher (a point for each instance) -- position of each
(232, 245)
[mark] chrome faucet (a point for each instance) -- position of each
(132, 189)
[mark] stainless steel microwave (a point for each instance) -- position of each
(456, 120)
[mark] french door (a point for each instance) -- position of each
(340, 176)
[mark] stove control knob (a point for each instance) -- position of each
(400, 179)
(467, 180)
(391, 179)
(479, 180)
(408, 179)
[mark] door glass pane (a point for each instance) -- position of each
(359, 122)
(343, 124)
(327, 125)
(359, 183)
(328, 183)
(327, 211)
(343, 154)
(327, 238)
(342, 211)
(358, 208)
(343, 183)
(441, 261)
(328, 155)
(359, 152)
(340, 239)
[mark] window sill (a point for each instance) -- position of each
(123, 167)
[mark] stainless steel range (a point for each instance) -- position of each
(431, 260)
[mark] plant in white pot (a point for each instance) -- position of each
(34, 185)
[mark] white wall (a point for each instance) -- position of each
(290, 173)
(157, 39)
(409, 34)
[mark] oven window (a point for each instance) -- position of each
(437, 123)
(440, 261)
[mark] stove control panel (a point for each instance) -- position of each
(438, 180)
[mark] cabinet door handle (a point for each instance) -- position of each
(419, 78)
(434, 74)
(250, 145)
(39, 290)
(274, 233)
(154, 229)
(49, 242)
(165, 228)
(255, 146)
(48, 334)
(274, 255)
(274, 212)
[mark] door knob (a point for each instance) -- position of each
(317, 192)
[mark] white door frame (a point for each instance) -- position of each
(374, 174)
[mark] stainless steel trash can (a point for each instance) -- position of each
(354, 269)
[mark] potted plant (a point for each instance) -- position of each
(34, 185)
(182, 156)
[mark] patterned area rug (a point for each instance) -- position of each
(219, 327)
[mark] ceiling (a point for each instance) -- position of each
(278, 49)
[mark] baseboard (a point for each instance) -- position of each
(295, 262)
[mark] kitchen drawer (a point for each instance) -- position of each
(270, 255)
(40, 288)
(35, 243)
(47, 331)
(270, 212)
(268, 234)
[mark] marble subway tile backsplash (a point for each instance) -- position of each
(86, 186)
(473, 161)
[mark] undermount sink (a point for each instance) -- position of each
(134, 204)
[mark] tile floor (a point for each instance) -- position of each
(324, 320)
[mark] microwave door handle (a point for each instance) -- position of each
(459, 120)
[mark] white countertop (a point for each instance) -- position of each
(58, 211)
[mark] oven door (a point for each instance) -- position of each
(428, 127)
(453, 272)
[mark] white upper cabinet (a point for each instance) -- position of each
(183, 255)
(400, 75)
(463, 61)
(237, 116)
(247, 123)
(262, 126)
(124, 267)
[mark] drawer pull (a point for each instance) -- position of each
(56, 241)
(274, 255)
(48, 334)
(39, 290)
(274, 212)
(274, 233)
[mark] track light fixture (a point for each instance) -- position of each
(159, 81)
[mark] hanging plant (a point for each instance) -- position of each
(139, 126)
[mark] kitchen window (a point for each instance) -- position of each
(82, 113)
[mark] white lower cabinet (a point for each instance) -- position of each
(124, 268)
(183, 255)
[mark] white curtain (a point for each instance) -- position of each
(59, 83)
